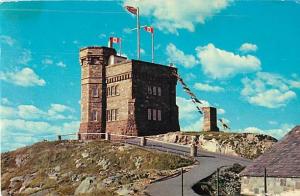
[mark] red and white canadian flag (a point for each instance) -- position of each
(115, 39)
(149, 29)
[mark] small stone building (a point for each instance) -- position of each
(282, 163)
(127, 97)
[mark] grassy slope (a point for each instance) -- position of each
(43, 157)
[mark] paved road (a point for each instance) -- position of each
(208, 163)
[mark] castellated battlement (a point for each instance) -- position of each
(123, 96)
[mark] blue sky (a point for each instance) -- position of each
(239, 56)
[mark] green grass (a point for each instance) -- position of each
(43, 157)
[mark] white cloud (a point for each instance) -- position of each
(218, 63)
(207, 87)
(61, 64)
(102, 35)
(177, 56)
(195, 126)
(30, 112)
(142, 51)
(56, 110)
(5, 101)
(24, 57)
(7, 40)
(248, 47)
(268, 90)
(24, 132)
(47, 61)
(187, 109)
(25, 77)
(220, 111)
(189, 76)
(278, 133)
(7, 112)
(272, 122)
(177, 14)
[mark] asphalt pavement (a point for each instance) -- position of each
(208, 162)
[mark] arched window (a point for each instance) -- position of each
(117, 89)
(113, 90)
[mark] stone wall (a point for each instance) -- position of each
(210, 119)
(147, 75)
(275, 186)
(120, 76)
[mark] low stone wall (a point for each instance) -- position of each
(275, 186)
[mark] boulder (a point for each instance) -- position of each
(86, 186)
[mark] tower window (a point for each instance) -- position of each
(113, 90)
(116, 114)
(94, 115)
(112, 115)
(159, 115)
(154, 90)
(108, 115)
(117, 90)
(149, 90)
(95, 92)
(154, 114)
(149, 114)
(158, 91)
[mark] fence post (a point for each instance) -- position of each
(181, 181)
(193, 150)
(107, 136)
(218, 186)
(265, 181)
(59, 137)
(143, 141)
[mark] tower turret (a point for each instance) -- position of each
(93, 90)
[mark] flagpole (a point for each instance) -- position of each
(152, 46)
(120, 47)
(138, 32)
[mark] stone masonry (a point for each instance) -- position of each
(210, 119)
(127, 97)
(275, 186)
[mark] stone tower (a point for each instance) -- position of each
(93, 62)
(125, 97)
(210, 119)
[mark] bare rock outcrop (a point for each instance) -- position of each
(247, 145)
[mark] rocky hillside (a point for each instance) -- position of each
(229, 182)
(247, 145)
(94, 168)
